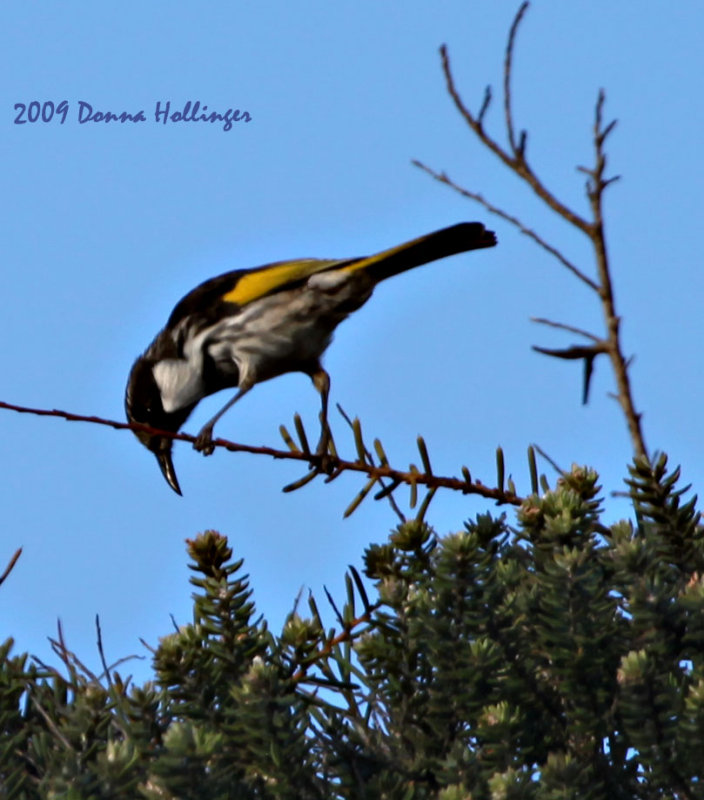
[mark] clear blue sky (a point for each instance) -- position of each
(105, 227)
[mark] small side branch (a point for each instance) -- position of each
(585, 353)
(442, 177)
(519, 150)
(11, 565)
(352, 630)
(516, 159)
(571, 328)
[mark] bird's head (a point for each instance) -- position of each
(144, 404)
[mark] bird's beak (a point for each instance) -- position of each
(163, 456)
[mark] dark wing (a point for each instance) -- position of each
(243, 286)
(247, 285)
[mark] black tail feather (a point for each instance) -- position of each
(440, 244)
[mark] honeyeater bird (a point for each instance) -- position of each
(250, 325)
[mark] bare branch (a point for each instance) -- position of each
(486, 102)
(11, 565)
(562, 326)
(443, 178)
(71, 661)
(514, 157)
(508, 64)
(516, 162)
(101, 651)
(550, 461)
(618, 361)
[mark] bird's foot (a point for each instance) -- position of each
(204, 441)
(324, 460)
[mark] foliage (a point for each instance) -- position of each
(557, 658)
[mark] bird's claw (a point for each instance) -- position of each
(323, 460)
(323, 463)
(204, 441)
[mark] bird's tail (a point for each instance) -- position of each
(440, 244)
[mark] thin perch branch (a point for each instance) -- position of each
(409, 477)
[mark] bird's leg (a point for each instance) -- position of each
(204, 440)
(321, 381)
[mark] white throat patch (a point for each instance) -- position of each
(179, 384)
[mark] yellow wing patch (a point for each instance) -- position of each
(262, 282)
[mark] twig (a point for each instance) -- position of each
(618, 360)
(69, 658)
(348, 634)
(563, 327)
(50, 723)
(11, 565)
(101, 651)
(442, 177)
(516, 162)
(550, 461)
(508, 63)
